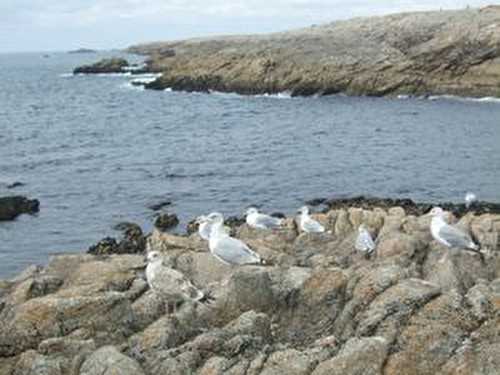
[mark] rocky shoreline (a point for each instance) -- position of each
(317, 307)
(419, 54)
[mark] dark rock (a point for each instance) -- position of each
(82, 50)
(410, 207)
(166, 221)
(15, 185)
(12, 207)
(133, 241)
(107, 245)
(316, 202)
(279, 215)
(158, 206)
(112, 65)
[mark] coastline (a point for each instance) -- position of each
(84, 312)
(401, 54)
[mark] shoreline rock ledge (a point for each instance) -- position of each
(318, 307)
(420, 53)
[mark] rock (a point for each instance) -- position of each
(414, 307)
(411, 53)
(13, 206)
(107, 245)
(166, 221)
(112, 65)
(109, 361)
(358, 356)
(82, 50)
(133, 242)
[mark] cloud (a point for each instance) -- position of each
(103, 21)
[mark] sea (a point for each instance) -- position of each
(98, 150)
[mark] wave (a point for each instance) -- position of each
(432, 98)
(130, 86)
(145, 78)
(279, 95)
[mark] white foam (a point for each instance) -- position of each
(168, 89)
(130, 86)
(66, 75)
(145, 78)
(279, 95)
(485, 99)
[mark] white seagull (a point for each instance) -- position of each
(470, 198)
(205, 227)
(308, 224)
(447, 235)
(169, 284)
(261, 221)
(364, 241)
(227, 249)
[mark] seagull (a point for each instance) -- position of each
(307, 224)
(364, 241)
(447, 235)
(470, 198)
(261, 221)
(205, 227)
(169, 284)
(227, 249)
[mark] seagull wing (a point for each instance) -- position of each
(172, 284)
(234, 251)
(456, 238)
(267, 222)
(312, 226)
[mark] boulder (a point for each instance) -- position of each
(109, 361)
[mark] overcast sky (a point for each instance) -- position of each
(48, 25)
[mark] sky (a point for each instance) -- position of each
(59, 25)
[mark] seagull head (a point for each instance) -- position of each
(215, 217)
(437, 212)
(153, 256)
(252, 211)
(362, 227)
(201, 219)
(304, 210)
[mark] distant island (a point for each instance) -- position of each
(83, 50)
(420, 53)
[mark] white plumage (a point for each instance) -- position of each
(470, 198)
(364, 241)
(227, 249)
(168, 283)
(447, 235)
(308, 224)
(257, 220)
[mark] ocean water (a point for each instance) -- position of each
(96, 151)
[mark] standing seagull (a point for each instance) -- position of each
(470, 198)
(308, 224)
(227, 249)
(261, 221)
(364, 241)
(447, 235)
(169, 284)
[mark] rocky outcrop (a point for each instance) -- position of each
(317, 306)
(12, 207)
(440, 52)
(133, 241)
(112, 65)
(166, 221)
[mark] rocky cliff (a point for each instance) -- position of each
(441, 52)
(318, 307)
